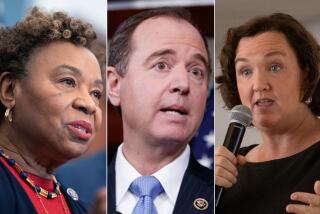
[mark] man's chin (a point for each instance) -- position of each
(180, 136)
(174, 139)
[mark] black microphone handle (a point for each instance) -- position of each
(232, 142)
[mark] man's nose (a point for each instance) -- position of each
(180, 82)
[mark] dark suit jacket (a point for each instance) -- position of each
(14, 200)
(197, 183)
(85, 176)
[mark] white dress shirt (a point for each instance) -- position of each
(170, 177)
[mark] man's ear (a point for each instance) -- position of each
(113, 86)
(7, 89)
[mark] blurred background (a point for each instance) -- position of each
(203, 13)
(230, 13)
(93, 11)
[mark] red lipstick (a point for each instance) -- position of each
(80, 129)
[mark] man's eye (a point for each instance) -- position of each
(161, 66)
(197, 72)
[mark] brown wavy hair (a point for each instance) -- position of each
(303, 43)
(37, 29)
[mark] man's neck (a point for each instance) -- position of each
(148, 159)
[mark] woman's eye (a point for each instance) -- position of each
(245, 72)
(97, 94)
(275, 68)
(69, 82)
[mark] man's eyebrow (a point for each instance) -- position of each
(160, 53)
(78, 72)
(201, 58)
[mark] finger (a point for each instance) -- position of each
(226, 175)
(297, 208)
(241, 159)
(308, 198)
(223, 151)
(317, 187)
(225, 163)
(223, 182)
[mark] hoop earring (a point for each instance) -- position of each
(308, 101)
(8, 114)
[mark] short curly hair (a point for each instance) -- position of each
(303, 43)
(37, 29)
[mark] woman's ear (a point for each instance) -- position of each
(305, 89)
(7, 85)
(113, 86)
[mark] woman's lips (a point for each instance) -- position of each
(80, 129)
(264, 103)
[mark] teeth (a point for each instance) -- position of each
(80, 128)
(173, 112)
(264, 101)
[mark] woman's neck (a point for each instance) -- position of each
(293, 140)
(141, 150)
(23, 155)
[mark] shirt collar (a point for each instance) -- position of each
(125, 174)
(170, 176)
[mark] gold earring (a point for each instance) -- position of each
(308, 101)
(8, 114)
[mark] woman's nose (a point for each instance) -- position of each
(85, 103)
(260, 81)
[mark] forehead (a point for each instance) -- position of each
(264, 44)
(61, 49)
(164, 31)
(61, 52)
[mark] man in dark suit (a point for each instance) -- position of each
(158, 78)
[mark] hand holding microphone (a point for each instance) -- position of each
(225, 156)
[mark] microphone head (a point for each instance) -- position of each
(241, 114)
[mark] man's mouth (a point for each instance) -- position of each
(175, 110)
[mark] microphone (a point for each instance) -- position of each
(240, 118)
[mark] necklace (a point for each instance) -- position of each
(24, 175)
(65, 210)
(37, 189)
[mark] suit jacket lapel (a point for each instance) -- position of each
(112, 186)
(197, 187)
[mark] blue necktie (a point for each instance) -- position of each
(147, 188)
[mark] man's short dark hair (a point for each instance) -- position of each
(120, 44)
